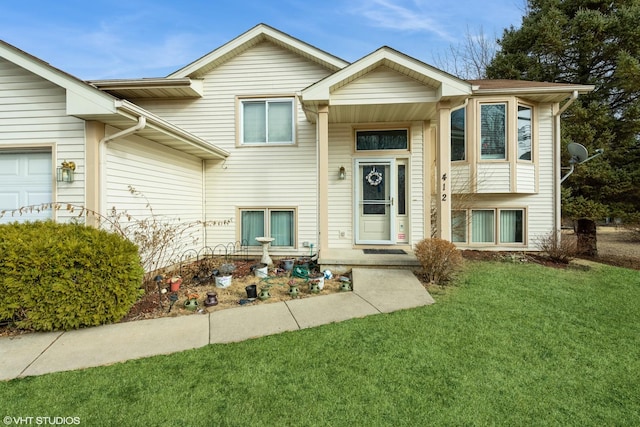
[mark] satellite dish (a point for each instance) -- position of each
(578, 153)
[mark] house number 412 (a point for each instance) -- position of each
(444, 187)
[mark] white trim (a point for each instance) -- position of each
(392, 195)
(267, 101)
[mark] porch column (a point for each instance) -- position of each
(94, 132)
(323, 178)
(443, 178)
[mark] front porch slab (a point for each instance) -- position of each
(342, 260)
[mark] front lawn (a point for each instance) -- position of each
(510, 344)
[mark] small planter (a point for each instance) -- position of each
(191, 304)
(317, 278)
(252, 292)
(223, 281)
(212, 299)
(261, 270)
(345, 286)
(287, 264)
(175, 283)
(304, 262)
(264, 294)
(313, 287)
(293, 290)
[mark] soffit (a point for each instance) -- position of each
(159, 88)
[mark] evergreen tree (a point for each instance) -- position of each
(594, 42)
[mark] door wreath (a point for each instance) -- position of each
(374, 178)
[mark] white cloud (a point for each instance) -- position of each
(401, 15)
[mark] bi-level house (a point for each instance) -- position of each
(291, 142)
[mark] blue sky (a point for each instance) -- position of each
(151, 38)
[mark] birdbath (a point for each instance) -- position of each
(266, 259)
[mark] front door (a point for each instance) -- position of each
(374, 202)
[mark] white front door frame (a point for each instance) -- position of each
(388, 201)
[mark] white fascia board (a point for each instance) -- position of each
(79, 104)
(449, 85)
(81, 97)
(259, 31)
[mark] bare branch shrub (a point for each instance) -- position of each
(439, 259)
(556, 248)
(160, 240)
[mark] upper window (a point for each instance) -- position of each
(396, 139)
(524, 132)
(493, 131)
(267, 121)
(458, 135)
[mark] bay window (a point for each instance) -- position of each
(524, 132)
(493, 131)
(458, 135)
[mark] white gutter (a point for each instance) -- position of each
(102, 153)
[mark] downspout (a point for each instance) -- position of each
(463, 105)
(102, 150)
(315, 113)
(556, 164)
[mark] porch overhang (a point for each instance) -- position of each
(385, 86)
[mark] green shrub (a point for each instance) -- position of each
(65, 276)
(439, 259)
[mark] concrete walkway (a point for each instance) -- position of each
(374, 291)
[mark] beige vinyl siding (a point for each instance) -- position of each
(382, 86)
(169, 183)
(494, 177)
(415, 193)
(253, 176)
(526, 178)
(341, 143)
(33, 114)
(461, 179)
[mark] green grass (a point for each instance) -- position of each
(515, 345)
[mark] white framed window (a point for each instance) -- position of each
(512, 226)
(493, 131)
(488, 226)
(483, 226)
(459, 226)
(524, 132)
(279, 223)
(267, 121)
(458, 135)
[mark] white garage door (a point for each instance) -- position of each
(25, 180)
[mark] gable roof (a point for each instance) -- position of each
(258, 34)
(89, 103)
(445, 84)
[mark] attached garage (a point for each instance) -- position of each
(26, 179)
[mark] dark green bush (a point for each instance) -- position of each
(439, 259)
(65, 276)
